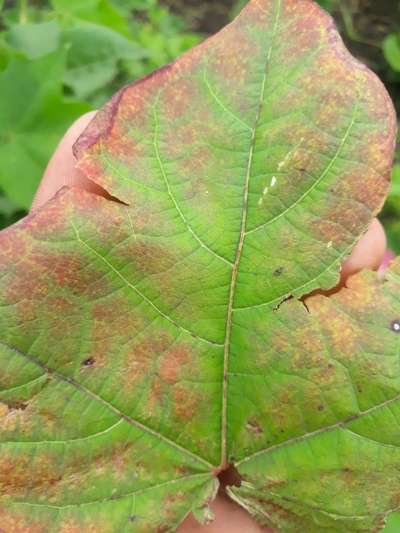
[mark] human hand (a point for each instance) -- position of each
(368, 253)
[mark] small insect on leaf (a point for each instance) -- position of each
(169, 314)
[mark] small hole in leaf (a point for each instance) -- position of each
(279, 271)
(230, 476)
(395, 326)
(88, 362)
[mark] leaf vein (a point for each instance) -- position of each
(172, 197)
(107, 404)
(135, 289)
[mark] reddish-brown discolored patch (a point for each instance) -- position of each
(156, 396)
(254, 427)
(177, 101)
(12, 249)
(18, 475)
(113, 323)
(172, 362)
(147, 257)
(16, 523)
(273, 509)
(185, 402)
(71, 526)
(120, 459)
(142, 356)
(65, 269)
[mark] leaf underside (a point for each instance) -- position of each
(146, 345)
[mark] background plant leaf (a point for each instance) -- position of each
(95, 47)
(93, 55)
(100, 12)
(391, 48)
(147, 344)
(36, 39)
(31, 127)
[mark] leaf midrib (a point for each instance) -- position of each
(242, 236)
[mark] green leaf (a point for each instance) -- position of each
(393, 525)
(7, 208)
(328, 4)
(391, 213)
(33, 117)
(237, 7)
(396, 181)
(135, 5)
(391, 50)
(6, 53)
(35, 40)
(9, 212)
(151, 338)
(100, 12)
(94, 53)
(392, 228)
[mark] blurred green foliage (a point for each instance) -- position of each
(61, 58)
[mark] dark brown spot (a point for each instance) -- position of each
(16, 405)
(279, 271)
(320, 408)
(253, 427)
(89, 362)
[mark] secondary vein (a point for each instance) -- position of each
(121, 415)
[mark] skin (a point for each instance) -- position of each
(368, 253)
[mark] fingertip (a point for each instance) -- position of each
(229, 518)
(61, 169)
(368, 252)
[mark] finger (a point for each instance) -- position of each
(61, 169)
(387, 259)
(229, 518)
(368, 252)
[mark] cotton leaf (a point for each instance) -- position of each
(155, 336)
